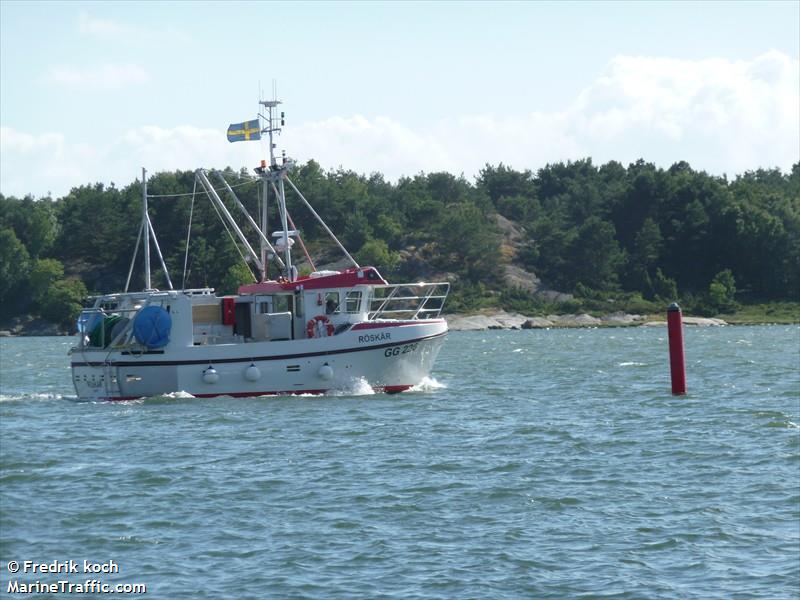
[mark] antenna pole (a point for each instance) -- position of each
(274, 123)
(145, 222)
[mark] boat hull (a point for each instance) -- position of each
(389, 357)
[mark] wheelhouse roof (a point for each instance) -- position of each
(346, 279)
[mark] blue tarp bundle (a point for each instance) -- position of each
(151, 327)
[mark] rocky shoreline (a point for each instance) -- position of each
(28, 326)
(504, 320)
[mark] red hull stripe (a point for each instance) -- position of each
(219, 361)
(388, 389)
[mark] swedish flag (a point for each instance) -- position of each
(240, 132)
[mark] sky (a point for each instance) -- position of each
(94, 91)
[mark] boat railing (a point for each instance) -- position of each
(413, 301)
(100, 329)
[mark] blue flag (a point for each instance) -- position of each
(240, 132)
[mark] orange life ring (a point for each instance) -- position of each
(311, 327)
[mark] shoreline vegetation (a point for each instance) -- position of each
(571, 244)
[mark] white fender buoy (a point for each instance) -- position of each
(210, 375)
(326, 372)
(252, 373)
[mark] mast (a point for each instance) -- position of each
(276, 173)
(145, 226)
(273, 177)
(271, 129)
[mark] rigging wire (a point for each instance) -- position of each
(133, 258)
(300, 239)
(261, 195)
(230, 235)
(188, 234)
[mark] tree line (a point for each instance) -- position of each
(631, 234)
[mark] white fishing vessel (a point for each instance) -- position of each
(327, 330)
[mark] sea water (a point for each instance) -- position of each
(533, 464)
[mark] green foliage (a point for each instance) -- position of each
(772, 312)
(357, 231)
(594, 254)
(551, 241)
(721, 291)
(61, 303)
(376, 253)
(664, 288)
(512, 192)
(388, 229)
(521, 301)
(647, 244)
(44, 273)
(14, 261)
(635, 236)
(34, 222)
(467, 243)
(468, 296)
(635, 304)
(238, 274)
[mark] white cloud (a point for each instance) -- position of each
(44, 163)
(719, 115)
(101, 27)
(723, 116)
(101, 77)
(389, 147)
(39, 164)
(117, 31)
(24, 143)
(183, 147)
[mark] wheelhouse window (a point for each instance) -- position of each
(332, 303)
(280, 303)
(352, 302)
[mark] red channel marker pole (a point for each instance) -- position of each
(677, 367)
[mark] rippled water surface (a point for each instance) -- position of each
(537, 464)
